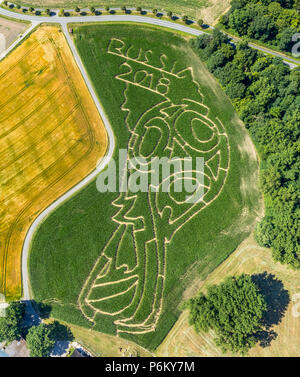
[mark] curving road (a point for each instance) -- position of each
(101, 165)
(63, 21)
(132, 18)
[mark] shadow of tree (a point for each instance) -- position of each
(61, 332)
(44, 310)
(277, 299)
(189, 22)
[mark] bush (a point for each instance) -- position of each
(39, 340)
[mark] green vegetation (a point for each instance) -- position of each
(163, 88)
(271, 22)
(234, 309)
(176, 6)
(41, 339)
(265, 93)
(10, 325)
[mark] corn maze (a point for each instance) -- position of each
(121, 262)
(127, 281)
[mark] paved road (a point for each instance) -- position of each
(101, 165)
(64, 21)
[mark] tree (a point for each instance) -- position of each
(185, 19)
(123, 8)
(77, 9)
(18, 6)
(107, 8)
(61, 13)
(284, 39)
(5, 3)
(200, 22)
(264, 232)
(234, 309)
(92, 10)
(154, 11)
(61, 332)
(139, 9)
(47, 11)
(31, 9)
(10, 325)
(170, 14)
(235, 90)
(297, 5)
(39, 340)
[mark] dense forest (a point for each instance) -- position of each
(271, 22)
(265, 93)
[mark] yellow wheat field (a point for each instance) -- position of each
(51, 137)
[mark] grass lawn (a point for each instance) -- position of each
(119, 263)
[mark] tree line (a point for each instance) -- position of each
(271, 22)
(40, 339)
(265, 93)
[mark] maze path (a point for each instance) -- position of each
(177, 126)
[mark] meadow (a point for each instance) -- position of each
(120, 262)
(51, 137)
(249, 258)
